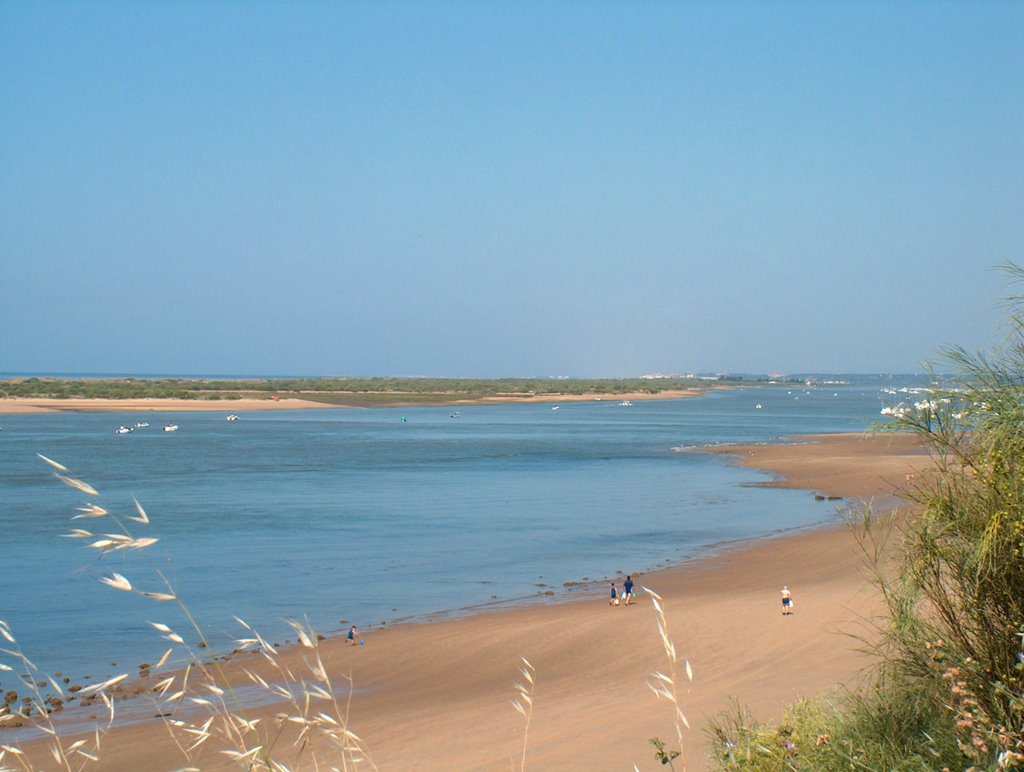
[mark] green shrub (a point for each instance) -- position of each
(948, 687)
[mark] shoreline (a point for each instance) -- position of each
(445, 684)
(39, 405)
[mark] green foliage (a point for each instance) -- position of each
(948, 691)
(665, 757)
(348, 391)
(826, 735)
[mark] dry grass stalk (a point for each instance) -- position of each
(664, 686)
(525, 696)
(37, 710)
(199, 706)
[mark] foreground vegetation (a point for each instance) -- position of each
(348, 391)
(947, 693)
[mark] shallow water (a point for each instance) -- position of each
(372, 516)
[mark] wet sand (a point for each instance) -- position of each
(438, 695)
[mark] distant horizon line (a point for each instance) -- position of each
(739, 374)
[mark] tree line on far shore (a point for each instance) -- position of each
(346, 390)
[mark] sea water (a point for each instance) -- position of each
(373, 516)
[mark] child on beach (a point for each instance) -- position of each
(627, 591)
(352, 635)
(614, 599)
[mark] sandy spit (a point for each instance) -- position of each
(27, 405)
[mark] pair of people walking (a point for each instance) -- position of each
(627, 595)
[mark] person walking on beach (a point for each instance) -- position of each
(614, 599)
(787, 601)
(352, 635)
(627, 591)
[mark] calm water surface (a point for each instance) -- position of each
(360, 515)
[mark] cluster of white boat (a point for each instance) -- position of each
(142, 425)
(923, 406)
(928, 406)
(168, 428)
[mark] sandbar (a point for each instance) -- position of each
(29, 405)
(439, 695)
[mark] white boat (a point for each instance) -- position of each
(122, 430)
(141, 424)
(626, 403)
(232, 417)
(171, 428)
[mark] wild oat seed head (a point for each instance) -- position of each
(51, 462)
(163, 659)
(118, 582)
(90, 510)
(159, 596)
(143, 517)
(78, 485)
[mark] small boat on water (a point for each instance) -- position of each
(141, 424)
(626, 403)
(232, 417)
(123, 430)
(171, 428)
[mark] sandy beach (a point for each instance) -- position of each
(438, 696)
(32, 405)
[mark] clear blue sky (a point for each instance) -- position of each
(497, 189)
